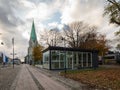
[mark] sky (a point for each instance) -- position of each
(16, 17)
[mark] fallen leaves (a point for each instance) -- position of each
(102, 78)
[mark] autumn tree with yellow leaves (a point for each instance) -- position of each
(37, 53)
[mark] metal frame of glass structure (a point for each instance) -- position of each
(59, 58)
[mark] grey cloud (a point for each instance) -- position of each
(7, 16)
(9, 21)
(38, 1)
(4, 13)
(21, 43)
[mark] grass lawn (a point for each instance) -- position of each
(102, 78)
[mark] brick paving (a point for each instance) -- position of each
(7, 76)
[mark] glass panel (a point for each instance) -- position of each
(69, 62)
(69, 57)
(74, 58)
(84, 59)
(46, 59)
(55, 65)
(61, 65)
(89, 60)
(79, 60)
(62, 57)
(55, 56)
(69, 53)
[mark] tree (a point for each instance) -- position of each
(73, 33)
(55, 36)
(118, 47)
(113, 9)
(94, 40)
(117, 39)
(81, 35)
(102, 44)
(37, 53)
(51, 37)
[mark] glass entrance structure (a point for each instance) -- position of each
(70, 58)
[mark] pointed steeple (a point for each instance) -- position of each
(33, 36)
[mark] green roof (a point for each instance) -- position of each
(33, 33)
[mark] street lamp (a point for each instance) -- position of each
(63, 39)
(13, 50)
(3, 56)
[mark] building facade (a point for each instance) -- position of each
(69, 58)
(32, 43)
(1, 57)
(4, 59)
(111, 58)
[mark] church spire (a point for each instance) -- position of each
(33, 36)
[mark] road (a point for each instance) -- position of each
(26, 77)
(7, 76)
(30, 78)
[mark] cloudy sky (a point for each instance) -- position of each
(16, 17)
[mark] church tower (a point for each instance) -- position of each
(32, 43)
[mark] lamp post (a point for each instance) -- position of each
(13, 50)
(63, 39)
(3, 52)
(3, 55)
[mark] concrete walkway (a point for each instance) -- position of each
(30, 78)
(24, 81)
(47, 82)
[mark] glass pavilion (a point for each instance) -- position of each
(69, 58)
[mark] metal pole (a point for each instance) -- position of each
(13, 50)
(63, 39)
(65, 56)
(65, 63)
